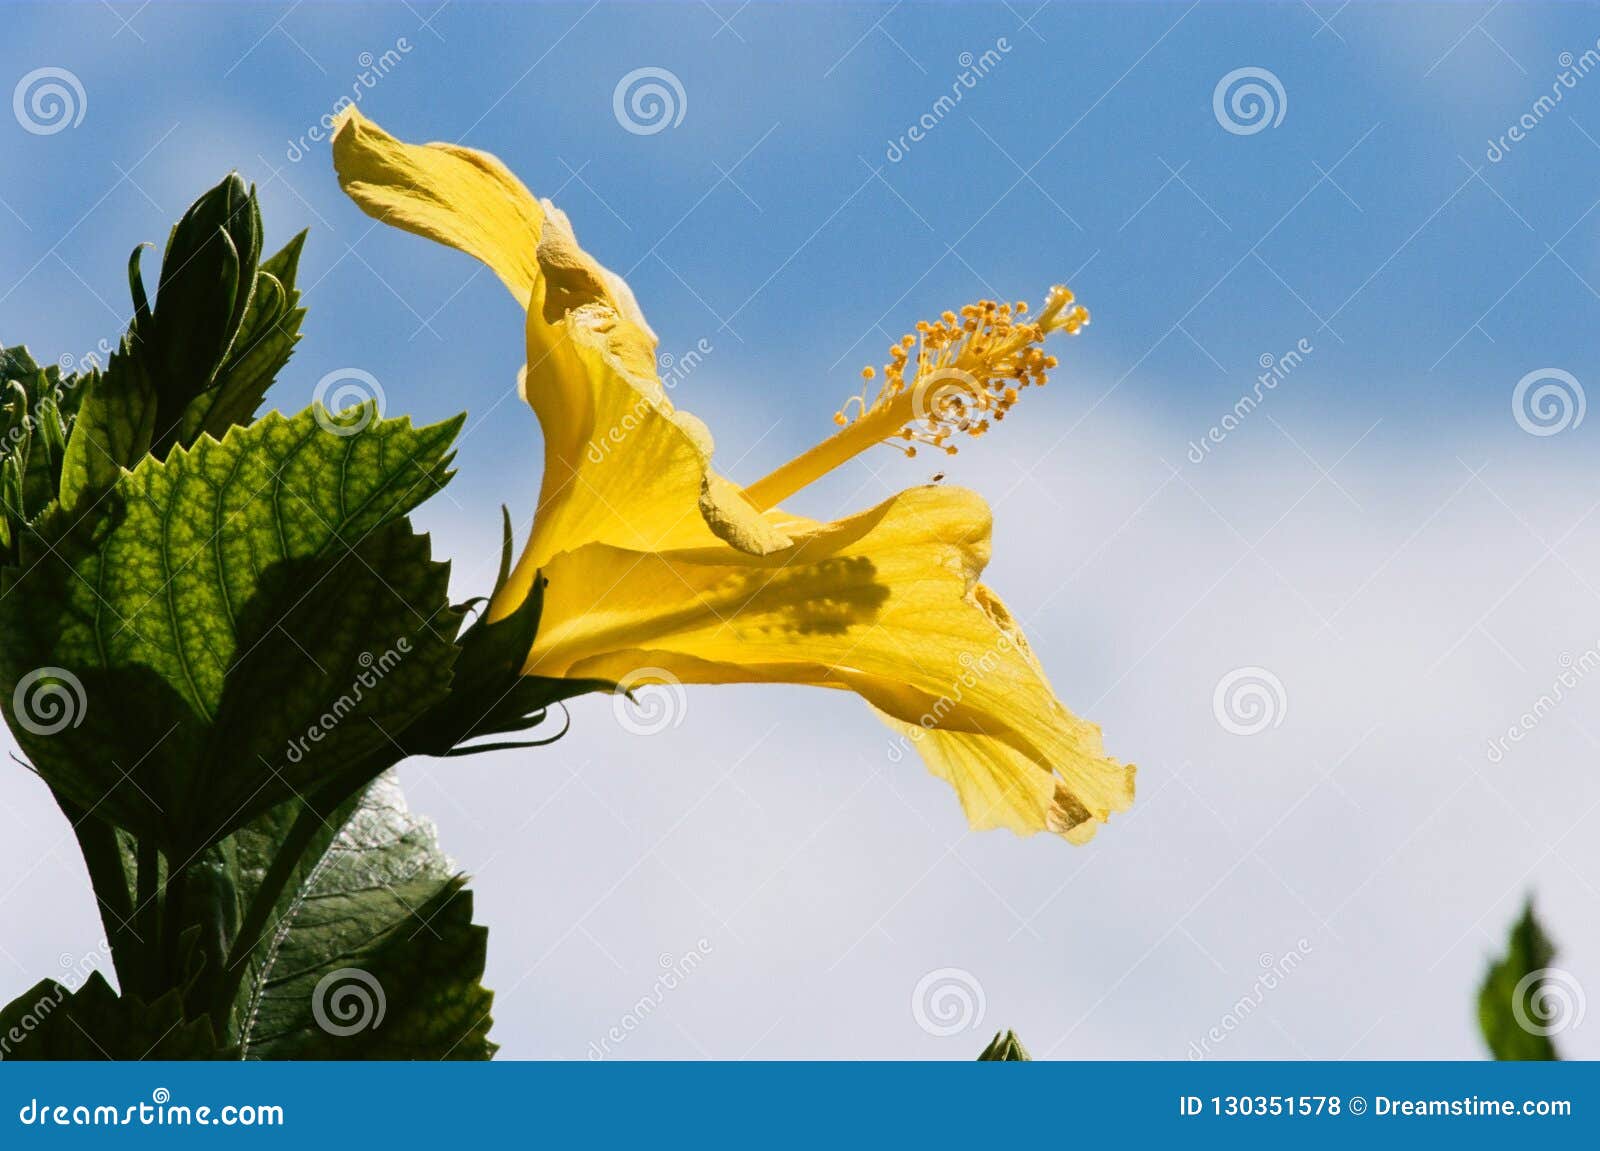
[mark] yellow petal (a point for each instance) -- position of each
(622, 466)
(884, 604)
(1000, 784)
(466, 199)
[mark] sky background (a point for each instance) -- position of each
(1382, 536)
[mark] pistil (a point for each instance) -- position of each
(964, 371)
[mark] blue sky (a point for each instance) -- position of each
(1340, 533)
(1059, 161)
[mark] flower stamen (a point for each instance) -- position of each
(955, 376)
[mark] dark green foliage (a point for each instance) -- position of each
(37, 410)
(216, 631)
(1522, 1001)
(377, 956)
(1005, 1047)
(49, 1021)
(249, 619)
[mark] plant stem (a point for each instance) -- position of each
(172, 925)
(147, 912)
(101, 853)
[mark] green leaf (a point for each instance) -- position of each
(1524, 1001)
(1005, 1047)
(37, 409)
(267, 335)
(489, 695)
(113, 429)
(376, 956)
(208, 278)
(249, 621)
(204, 358)
(50, 1021)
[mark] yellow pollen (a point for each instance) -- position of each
(950, 378)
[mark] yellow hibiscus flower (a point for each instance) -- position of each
(653, 560)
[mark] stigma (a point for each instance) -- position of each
(955, 376)
(961, 373)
